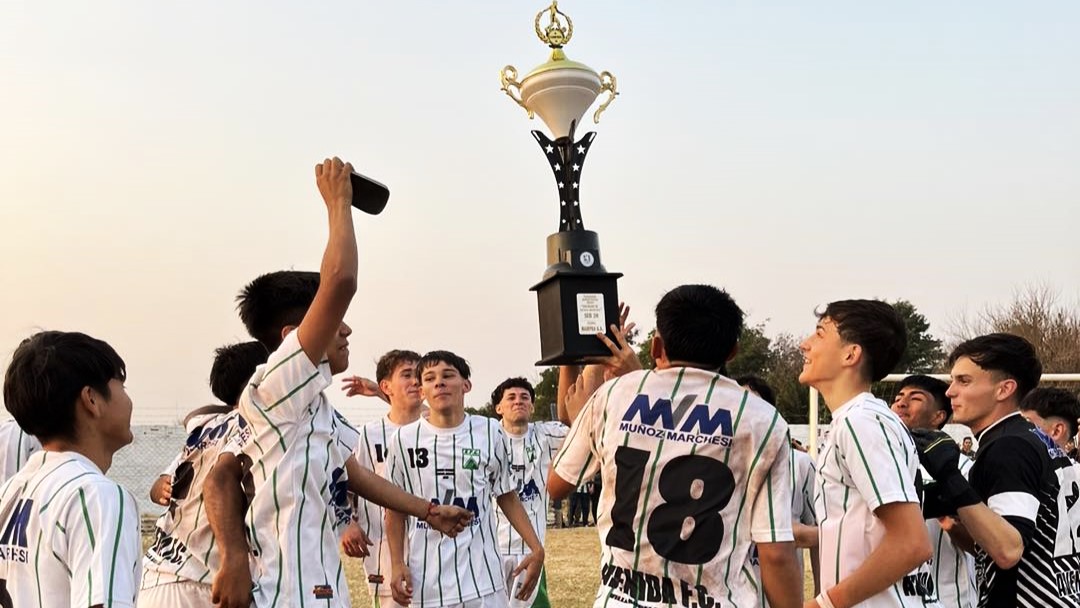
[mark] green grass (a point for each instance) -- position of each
(573, 569)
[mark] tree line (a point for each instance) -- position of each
(1034, 313)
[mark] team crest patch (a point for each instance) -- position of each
(530, 453)
(323, 592)
(470, 459)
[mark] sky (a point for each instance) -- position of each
(157, 156)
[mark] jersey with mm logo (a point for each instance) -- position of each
(184, 548)
(296, 481)
(467, 466)
(694, 468)
(69, 536)
(15, 448)
(530, 461)
(371, 454)
(869, 460)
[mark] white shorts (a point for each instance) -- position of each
(509, 562)
(495, 600)
(169, 595)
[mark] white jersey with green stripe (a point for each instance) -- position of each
(296, 481)
(184, 548)
(952, 567)
(869, 460)
(69, 536)
(371, 454)
(15, 448)
(695, 468)
(531, 455)
(802, 507)
(466, 466)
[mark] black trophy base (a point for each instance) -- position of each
(576, 300)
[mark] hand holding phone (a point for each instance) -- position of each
(369, 196)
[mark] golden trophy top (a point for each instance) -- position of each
(559, 90)
(557, 33)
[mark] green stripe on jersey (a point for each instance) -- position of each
(86, 518)
(293, 391)
(116, 544)
(280, 363)
(300, 514)
(862, 456)
(896, 463)
(652, 476)
(742, 503)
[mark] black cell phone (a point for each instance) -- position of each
(368, 195)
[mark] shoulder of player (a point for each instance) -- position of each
(288, 356)
(871, 412)
(484, 424)
(86, 490)
(1009, 448)
(871, 422)
(204, 414)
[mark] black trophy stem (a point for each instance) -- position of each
(566, 160)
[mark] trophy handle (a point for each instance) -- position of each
(508, 78)
(607, 84)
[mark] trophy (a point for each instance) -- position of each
(577, 297)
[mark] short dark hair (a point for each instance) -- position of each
(873, 325)
(391, 360)
(699, 324)
(759, 386)
(48, 372)
(444, 356)
(519, 382)
(275, 301)
(1053, 402)
(233, 367)
(1006, 354)
(935, 388)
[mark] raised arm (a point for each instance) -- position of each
(337, 274)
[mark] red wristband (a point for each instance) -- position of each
(430, 509)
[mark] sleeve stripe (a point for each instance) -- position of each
(1016, 504)
(86, 518)
(862, 457)
(896, 463)
(292, 392)
(280, 363)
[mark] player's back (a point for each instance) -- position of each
(184, 547)
(694, 467)
(69, 536)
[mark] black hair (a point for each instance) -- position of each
(935, 388)
(275, 301)
(391, 360)
(699, 324)
(759, 386)
(519, 382)
(444, 356)
(48, 372)
(873, 325)
(233, 367)
(1007, 354)
(1053, 402)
